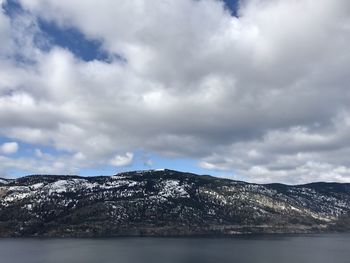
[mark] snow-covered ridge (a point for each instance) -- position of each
(146, 172)
(166, 196)
(66, 184)
(4, 181)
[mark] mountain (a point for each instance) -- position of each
(166, 203)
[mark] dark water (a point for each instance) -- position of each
(271, 249)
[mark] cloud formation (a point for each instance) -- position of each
(264, 95)
(9, 147)
(122, 160)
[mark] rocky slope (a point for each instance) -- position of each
(166, 203)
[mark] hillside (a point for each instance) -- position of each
(166, 203)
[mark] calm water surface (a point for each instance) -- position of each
(261, 249)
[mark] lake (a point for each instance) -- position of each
(332, 248)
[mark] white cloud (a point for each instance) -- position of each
(264, 95)
(79, 156)
(38, 153)
(122, 160)
(9, 147)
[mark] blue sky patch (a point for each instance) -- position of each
(232, 5)
(73, 40)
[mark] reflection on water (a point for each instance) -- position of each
(258, 249)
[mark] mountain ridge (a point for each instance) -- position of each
(166, 170)
(166, 203)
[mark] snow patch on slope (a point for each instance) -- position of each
(173, 188)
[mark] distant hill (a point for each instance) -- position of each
(166, 203)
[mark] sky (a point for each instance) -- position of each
(254, 90)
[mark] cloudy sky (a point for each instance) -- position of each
(255, 90)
